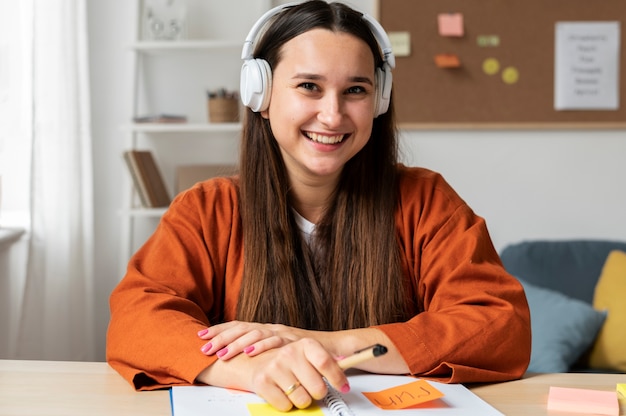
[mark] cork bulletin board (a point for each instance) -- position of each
(500, 70)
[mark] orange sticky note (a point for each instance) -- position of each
(585, 401)
(404, 396)
(447, 60)
(450, 24)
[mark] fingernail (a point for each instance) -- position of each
(249, 349)
(206, 347)
(203, 332)
(222, 352)
(345, 388)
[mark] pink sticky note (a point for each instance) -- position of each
(583, 401)
(450, 24)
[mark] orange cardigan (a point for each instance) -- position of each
(473, 324)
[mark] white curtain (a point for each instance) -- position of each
(54, 319)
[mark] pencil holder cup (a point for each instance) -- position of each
(223, 110)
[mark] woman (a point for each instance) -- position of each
(322, 245)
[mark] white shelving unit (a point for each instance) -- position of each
(183, 128)
(173, 77)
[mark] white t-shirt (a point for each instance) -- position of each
(307, 228)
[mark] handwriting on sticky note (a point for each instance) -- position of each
(264, 409)
(406, 395)
(621, 389)
(450, 24)
(584, 401)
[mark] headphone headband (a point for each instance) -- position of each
(382, 38)
(256, 76)
(248, 44)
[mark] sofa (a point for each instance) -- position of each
(576, 291)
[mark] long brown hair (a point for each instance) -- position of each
(354, 278)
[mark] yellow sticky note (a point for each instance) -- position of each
(450, 24)
(621, 389)
(264, 409)
(404, 396)
(583, 401)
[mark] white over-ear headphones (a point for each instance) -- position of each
(256, 74)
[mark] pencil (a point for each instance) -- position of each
(362, 356)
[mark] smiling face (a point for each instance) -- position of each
(322, 105)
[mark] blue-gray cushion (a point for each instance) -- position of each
(571, 267)
(563, 328)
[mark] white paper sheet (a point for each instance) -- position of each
(586, 67)
(207, 400)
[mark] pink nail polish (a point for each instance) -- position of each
(249, 349)
(222, 352)
(345, 388)
(206, 347)
(203, 332)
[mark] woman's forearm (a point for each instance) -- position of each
(345, 343)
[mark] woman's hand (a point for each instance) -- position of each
(232, 338)
(292, 375)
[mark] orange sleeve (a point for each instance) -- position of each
(185, 276)
(472, 322)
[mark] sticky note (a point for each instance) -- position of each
(404, 396)
(265, 409)
(621, 389)
(583, 401)
(450, 24)
(447, 60)
(400, 43)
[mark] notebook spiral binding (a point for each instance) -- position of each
(335, 403)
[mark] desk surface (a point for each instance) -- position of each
(79, 388)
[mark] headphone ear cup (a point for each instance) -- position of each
(383, 89)
(255, 85)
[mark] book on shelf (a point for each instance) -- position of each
(147, 178)
(370, 394)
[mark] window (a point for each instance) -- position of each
(15, 112)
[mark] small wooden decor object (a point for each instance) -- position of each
(223, 110)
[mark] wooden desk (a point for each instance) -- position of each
(79, 388)
(529, 396)
(57, 388)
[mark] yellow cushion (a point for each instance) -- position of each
(609, 350)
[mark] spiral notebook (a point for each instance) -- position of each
(454, 399)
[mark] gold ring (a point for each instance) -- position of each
(291, 388)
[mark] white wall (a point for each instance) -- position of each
(111, 29)
(533, 184)
(527, 184)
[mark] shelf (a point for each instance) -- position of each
(171, 73)
(10, 235)
(183, 127)
(185, 45)
(144, 212)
